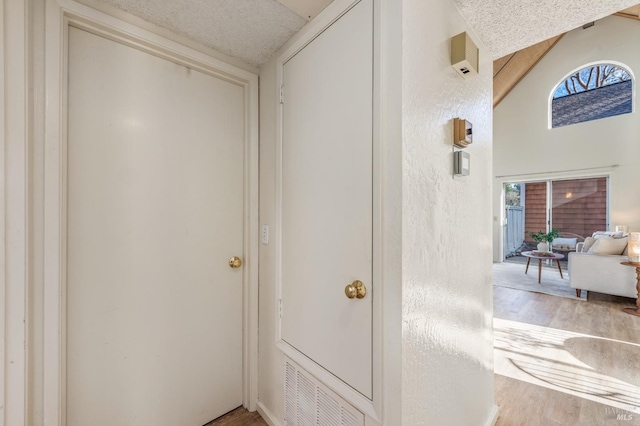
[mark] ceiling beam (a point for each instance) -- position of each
(632, 12)
(498, 64)
(509, 70)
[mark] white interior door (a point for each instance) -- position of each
(154, 212)
(327, 198)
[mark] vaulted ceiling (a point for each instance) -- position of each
(631, 12)
(252, 30)
(506, 26)
(510, 69)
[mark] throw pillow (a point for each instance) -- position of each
(605, 234)
(588, 242)
(564, 243)
(609, 246)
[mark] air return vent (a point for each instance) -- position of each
(307, 402)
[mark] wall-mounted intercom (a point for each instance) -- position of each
(462, 133)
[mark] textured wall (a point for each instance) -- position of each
(447, 278)
(524, 144)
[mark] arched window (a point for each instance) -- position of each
(590, 93)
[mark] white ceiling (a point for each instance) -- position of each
(505, 26)
(250, 30)
(253, 30)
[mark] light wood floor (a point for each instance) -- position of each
(239, 417)
(527, 404)
(605, 363)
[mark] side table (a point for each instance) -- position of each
(636, 310)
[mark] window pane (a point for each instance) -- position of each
(535, 207)
(579, 206)
(594, 92)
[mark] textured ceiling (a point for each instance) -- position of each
(306, 8)
(505, 26)
(251, 30)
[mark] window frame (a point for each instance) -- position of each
(581, 67)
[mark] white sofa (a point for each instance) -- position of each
(601, 273)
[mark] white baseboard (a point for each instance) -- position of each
(493, 418)
(268, 417)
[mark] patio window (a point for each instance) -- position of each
(576, 207)
(590, 93)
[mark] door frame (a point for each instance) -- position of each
(60, 15)
(16, 150)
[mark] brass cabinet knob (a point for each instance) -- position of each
(355, 290)
(235, 262)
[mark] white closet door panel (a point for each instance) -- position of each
(327, 198)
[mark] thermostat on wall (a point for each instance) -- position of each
(461, 163)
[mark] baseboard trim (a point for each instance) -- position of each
(267, 416)
(493, 418)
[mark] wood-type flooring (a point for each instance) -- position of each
(582, 375)
(239, 417)
(602, 341)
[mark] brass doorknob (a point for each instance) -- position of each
(355, 290)
(235, 262)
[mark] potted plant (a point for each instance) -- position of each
(544, 239)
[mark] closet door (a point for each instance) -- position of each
(326, 198)
(155, 211)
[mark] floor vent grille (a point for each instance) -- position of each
(308, 402)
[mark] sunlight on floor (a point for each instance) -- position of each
(569, 362)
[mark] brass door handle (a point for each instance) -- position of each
(235, 262)
(355, 290)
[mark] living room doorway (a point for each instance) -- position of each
(576, 207)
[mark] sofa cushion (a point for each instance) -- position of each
(588, 242)
(609, 246)
(564, 243)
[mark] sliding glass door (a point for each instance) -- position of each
(576, 207)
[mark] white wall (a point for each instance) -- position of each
(447, 278)
(271, 360)
(438, 337)
(523, 143)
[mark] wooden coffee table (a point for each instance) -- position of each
(542, 256)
